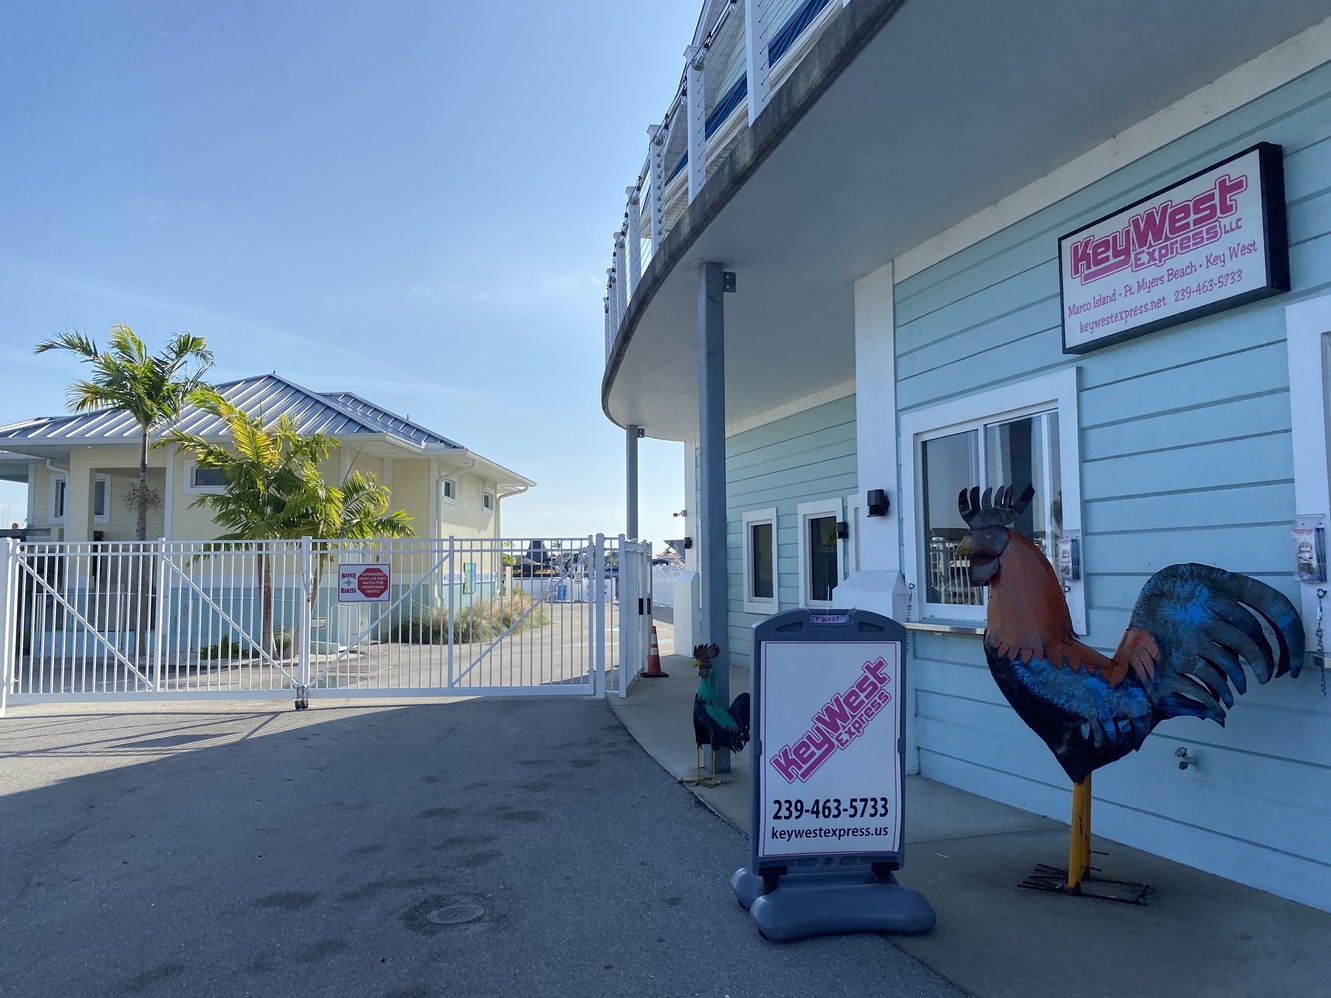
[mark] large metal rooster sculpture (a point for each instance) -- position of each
(714, 723)
(1191, 630)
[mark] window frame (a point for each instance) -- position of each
(190, 489)
(59, 497)
(488, 509)
(1050, 392)
(452, 483)
(805, 512)
(853, 541)
(759, 604)
(105, 515)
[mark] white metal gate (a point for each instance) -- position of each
(443, 617)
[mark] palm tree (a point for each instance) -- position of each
(273, 490)
(125, 378)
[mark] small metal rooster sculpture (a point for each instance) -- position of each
(1192, 629)
(714, 723)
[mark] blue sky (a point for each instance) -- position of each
(410, 200)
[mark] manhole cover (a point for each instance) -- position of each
(455, 914)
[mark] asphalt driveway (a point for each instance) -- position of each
(235, 851)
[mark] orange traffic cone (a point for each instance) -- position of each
(654, 661)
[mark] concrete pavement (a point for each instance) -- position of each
(1198, 935)
(232, 849)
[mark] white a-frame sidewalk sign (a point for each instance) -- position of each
(825, 822)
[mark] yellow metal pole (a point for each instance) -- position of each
(1079, 847)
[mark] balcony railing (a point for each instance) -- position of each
(743, 52)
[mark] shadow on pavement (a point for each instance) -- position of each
(234, 852)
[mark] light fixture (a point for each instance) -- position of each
(879, 504)
(688, 543)
(842, 529)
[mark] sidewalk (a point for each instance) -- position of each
(1197, 935)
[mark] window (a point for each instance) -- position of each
(101, 499)
(1012, 436)
(760, 578)
(820, 551)
(488, 501)
(198, 480)
(448, 490)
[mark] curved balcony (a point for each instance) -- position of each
(863, 132)
(711, 109)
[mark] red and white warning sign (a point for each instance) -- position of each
(363, 583)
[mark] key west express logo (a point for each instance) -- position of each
(840, 721)
(1161, 232)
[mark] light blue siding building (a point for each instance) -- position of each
(894, 207)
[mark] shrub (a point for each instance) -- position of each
(478, 621)
(229, 649)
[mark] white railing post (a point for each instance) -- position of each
(757, 32)
(9, 614)
(628, 612)
(597, 582)
(658, 137)
(634, 238)
(621, 277)
(448, 581)
(160, 629)
(612, 298)
(647, 601)
(303, 621)
(696, 97)
(609, 333)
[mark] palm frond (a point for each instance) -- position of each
(72, 340)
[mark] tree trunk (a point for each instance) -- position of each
(141, 500)
(140, 554)
(266, 604)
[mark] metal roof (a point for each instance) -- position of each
(389, 422)
(339, 414)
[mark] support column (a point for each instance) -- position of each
(78, 498)
(711, 522)
(877, 584)
(631, 480)
(168, 494)
(696, 100)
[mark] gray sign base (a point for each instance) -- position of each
(832, 904)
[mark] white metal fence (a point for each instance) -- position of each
(420, 617)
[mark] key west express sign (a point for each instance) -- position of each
(1210, 242)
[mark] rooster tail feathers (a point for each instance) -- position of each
(739, 710)
(1284, 620)
(1209, 624)
(1188, 705)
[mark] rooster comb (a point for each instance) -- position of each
(993, 509)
